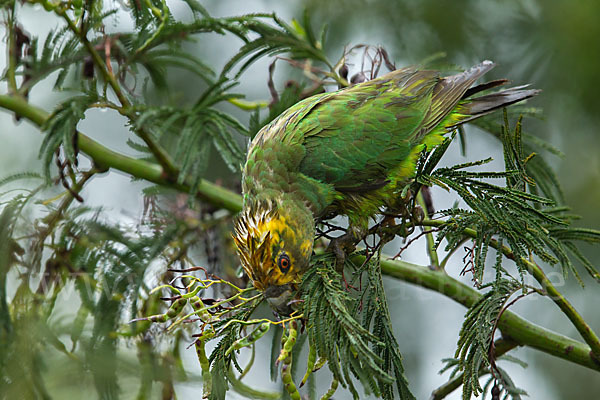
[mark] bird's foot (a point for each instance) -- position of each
(336, 246)
(342, 246)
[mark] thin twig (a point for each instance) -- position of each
(431, 250)
(412, 240)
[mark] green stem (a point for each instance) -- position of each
(103, 157)
(567, 308)
(12, 56)
(163, 17)
(450, 253)
(433, 256)
(247, 105)
(95, 56)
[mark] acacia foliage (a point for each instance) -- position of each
(114, 267)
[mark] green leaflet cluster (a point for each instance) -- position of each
(509, 214)
(61, 130)
(197, 129)
(476, 335)
(353, 333)
(139, 62)
(514, 220)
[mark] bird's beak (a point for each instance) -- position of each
(281, 299)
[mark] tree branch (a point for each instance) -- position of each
(159, 153)
(511, 325)
(103, 157)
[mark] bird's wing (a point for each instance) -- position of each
(355, 137)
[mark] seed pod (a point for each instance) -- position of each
(418, 214)
(292, 335)
(495, 392)
(312, 360)
(331, 391)
(200, 308)
(286, 357)
(426, 192)
(176, 308)
(205, 365)
(344, 71)
(22, 42)
(286, 370)
(284, 337)
(359, 77)
(88, 68)
(293, 391)
(48, 6)
(320, 363)
(172, 312)
(250, 338)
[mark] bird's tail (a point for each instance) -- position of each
(473, 108)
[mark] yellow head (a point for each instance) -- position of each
(275, 246)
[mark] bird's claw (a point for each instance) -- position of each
(340, 255)
(341, 247)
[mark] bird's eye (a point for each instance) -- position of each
(284, 263)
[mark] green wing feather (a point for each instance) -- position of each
(360, 138)
(356, 137)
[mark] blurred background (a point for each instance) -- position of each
(552, 45)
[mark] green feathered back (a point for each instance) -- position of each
(347, 145)
(354, 138)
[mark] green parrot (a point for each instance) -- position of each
(348, 152)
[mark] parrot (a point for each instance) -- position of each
(347, 152)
